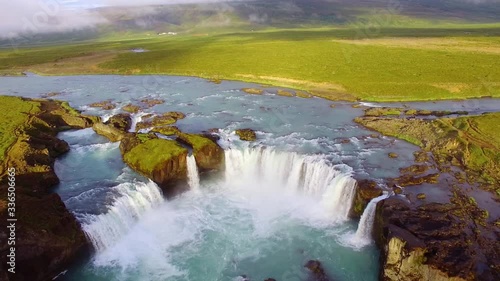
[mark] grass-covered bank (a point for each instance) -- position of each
(394, 64)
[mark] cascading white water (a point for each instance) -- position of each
(363, 235)
(134, 199)
(193, 176)
(271, 169)
(136, 118)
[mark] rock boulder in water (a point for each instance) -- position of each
(115, 128)
(161, 160)
(121, 121)
(317, 271)
(246, 134)
(208, 154)
(165, 119)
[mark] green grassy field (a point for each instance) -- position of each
(392, 64)
(15, 113)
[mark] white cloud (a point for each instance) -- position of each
(41, 16)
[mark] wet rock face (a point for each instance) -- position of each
(246, 134)
(208, 154)
(432, 242)
(366, 190)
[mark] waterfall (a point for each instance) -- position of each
(364, 233)
(193, 176)
(136, 118)
(264, 168)
(133, 200)
(338, 200)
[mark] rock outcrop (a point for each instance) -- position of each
(253, 91)
(246, 134)
(208, 154)
(432, 242)
(115, 128)
(48, 237)
(165, 119)
(366, 190)
(161, 160)
(121, 121)
(106, 105)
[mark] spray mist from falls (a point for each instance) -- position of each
(269, 169)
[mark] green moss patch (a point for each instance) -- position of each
(152, 153)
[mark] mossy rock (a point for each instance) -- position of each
(421, 196)
(163, 161)
(246, 134)
(383, 111)
(208, 154)
(108, 131)
(414, 169)
(131, 108)
(393, 155)
(421, 156)
(163, 120)
(411, 112)
(302, 94)
(253, 91)
(409, 180)
(106, 105)
(166, 130)
(152, 102)
(424, 112)
(121, 121)
(285, 93)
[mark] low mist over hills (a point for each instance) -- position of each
(82, 20)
